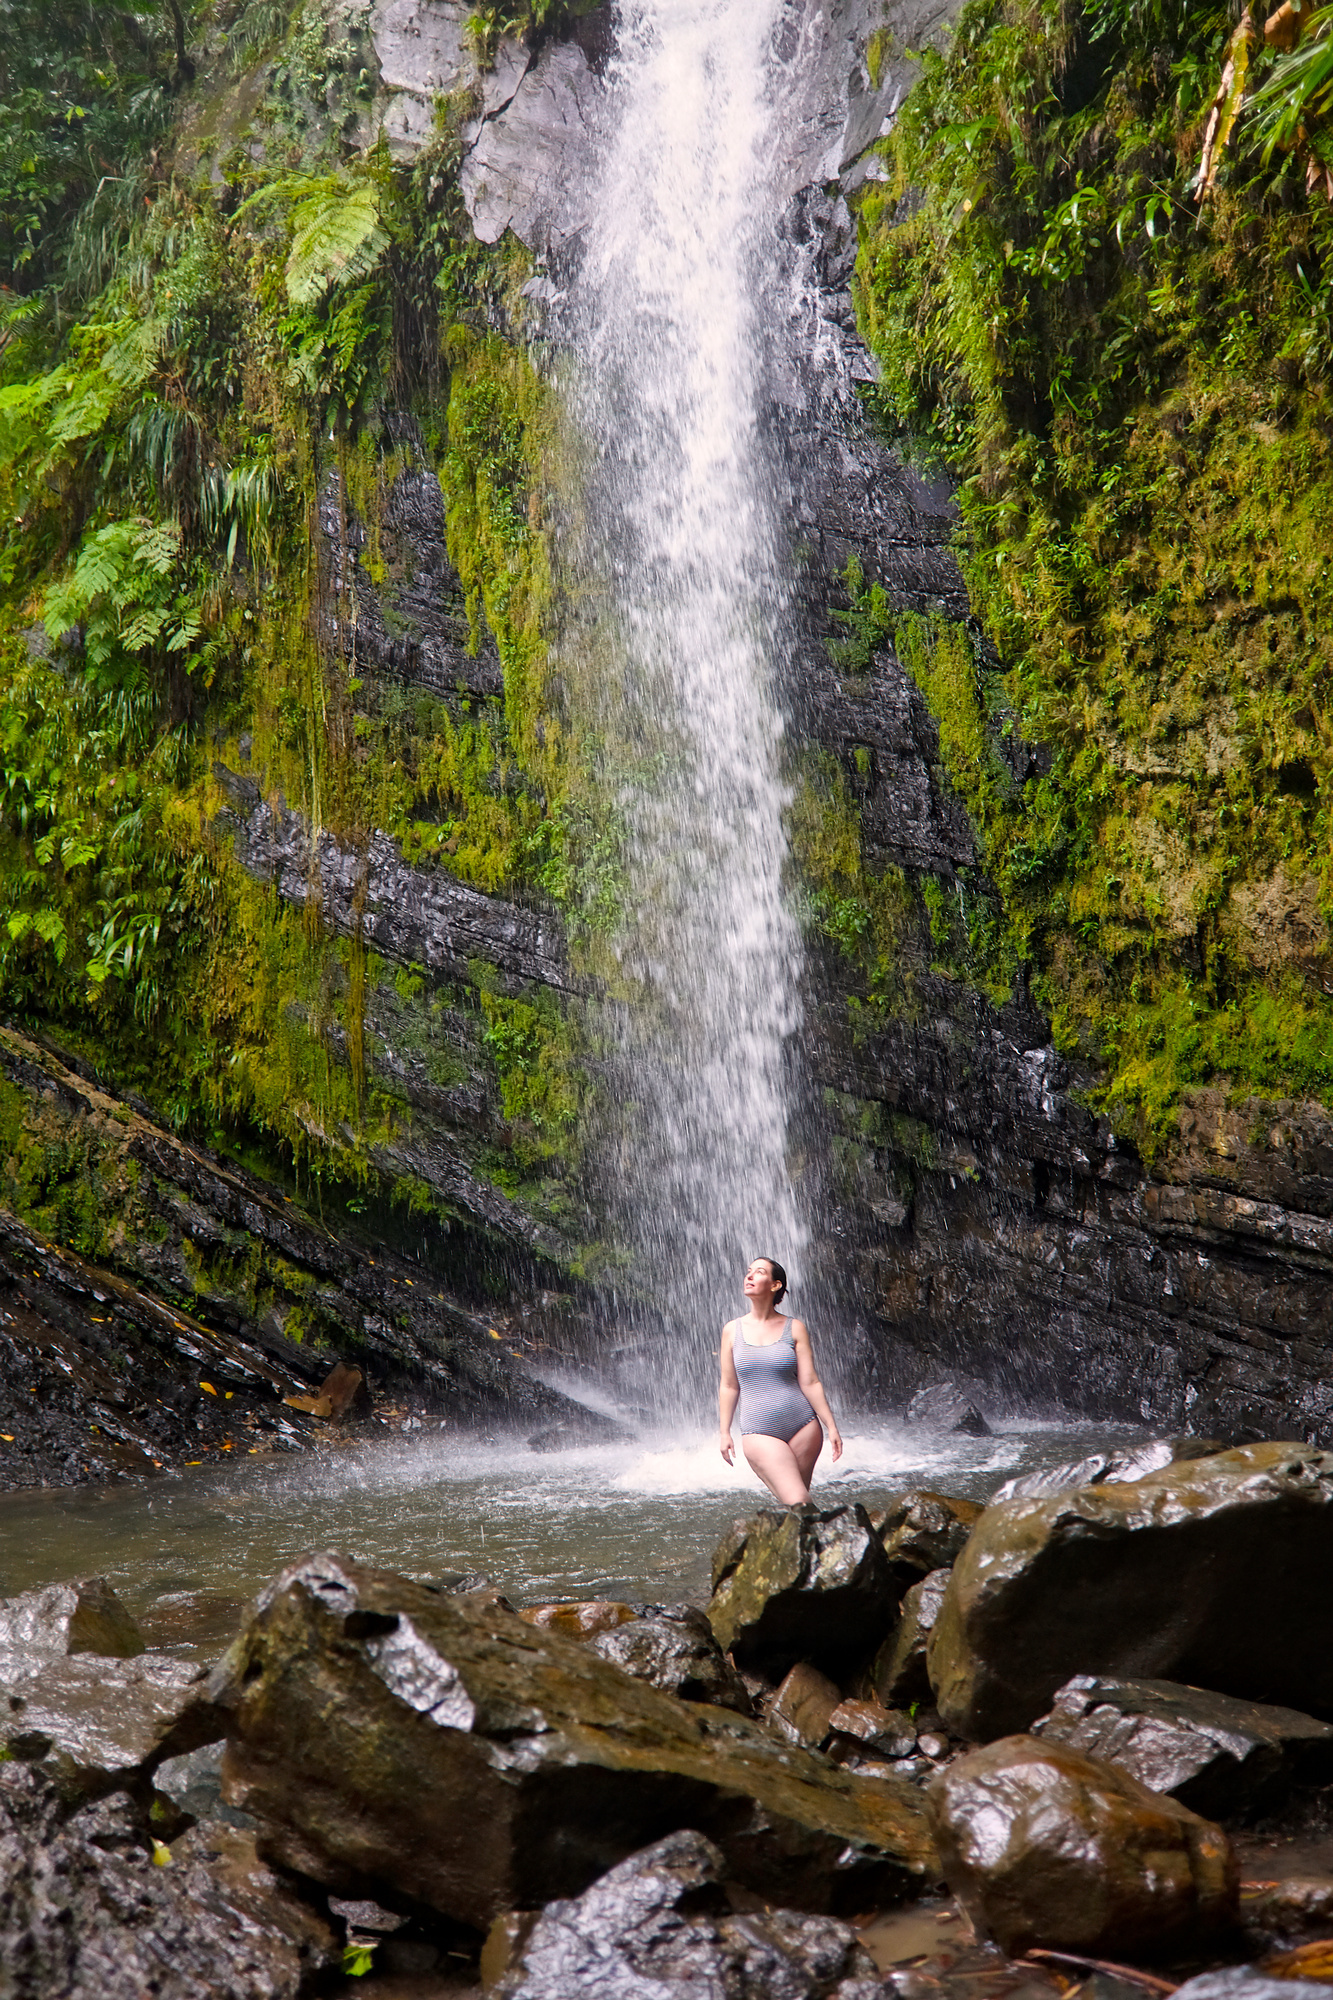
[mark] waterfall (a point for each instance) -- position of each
(671, 313)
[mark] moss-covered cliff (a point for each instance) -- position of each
(1131, 381)
(242, 342)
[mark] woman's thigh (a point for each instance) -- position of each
(806, 1447)
(778, 1467)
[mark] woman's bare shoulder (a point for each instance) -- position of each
(799, 1330)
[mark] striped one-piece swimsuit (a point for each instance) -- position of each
(771, 1401)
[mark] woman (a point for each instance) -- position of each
(768, 1367)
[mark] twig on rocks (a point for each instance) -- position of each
(1148, 1979)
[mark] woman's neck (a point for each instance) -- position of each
(764, 1318)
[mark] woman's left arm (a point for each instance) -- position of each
(811, 1386)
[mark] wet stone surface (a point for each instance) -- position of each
(86, 1912)
(810, 1585)
(1046, 1847)
(659, 1925)
(1217, 1755)
(1200, 1573)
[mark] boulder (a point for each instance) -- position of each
(1217, 1755)
(675, 1650)
(1201, 1573)
(83, 1617)
(395, 1740)
(811, 1584)
(1046, 1847)
(94, 1725)
(86, 1914)
(801, 1708)
(658, 1927)
(584, 1620)
(899, 1675)
(923, 1531)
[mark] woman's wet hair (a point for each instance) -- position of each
(779, 1279)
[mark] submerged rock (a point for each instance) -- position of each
(388, 1734)
(658, 1926)
(583, 1620)
(93, 1725)
(899, 1675)
(85, 1913)
(1043, 1846)
(1199, 1573)
(812, 1584)
(675, 1650)
(1215, 1754)
(83, 1617)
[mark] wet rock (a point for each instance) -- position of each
(899, 1675)
(85, 1913)
(972, 1424)
(1217, 1755)
(923, 1531)
(1044, 1846)
(84, 1617)
(1107, 1468)
(812, 1584)
(887, 1732)
(1145, 1580)
(801, 1708)
(1242, 1982)
(92, 1725)
(579, 1621)
(948, 1406)
(1297, 1902)
(346, 1393)
(675, 1650)
(389, 1734)
(193, 1783)
(658, 1925)
(588, 1427)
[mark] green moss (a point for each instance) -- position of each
(1136, 399)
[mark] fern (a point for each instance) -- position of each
(337, 239)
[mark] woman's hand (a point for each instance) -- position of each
(835, 1442)
(727, 1448)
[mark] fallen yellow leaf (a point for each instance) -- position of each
(494, 1335)
(209, 1386)
(7, 1438)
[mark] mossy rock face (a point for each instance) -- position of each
(1145, 1578)
(440, 1748)
(806, 1585)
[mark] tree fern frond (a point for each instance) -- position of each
(337, 239)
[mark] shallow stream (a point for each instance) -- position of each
(636, 1521)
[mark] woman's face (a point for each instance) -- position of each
(759, 1285)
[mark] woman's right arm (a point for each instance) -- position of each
(728, 1396)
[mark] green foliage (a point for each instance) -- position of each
(1134, 397)
(542, 1085)
(84, 92)
(1298, 91)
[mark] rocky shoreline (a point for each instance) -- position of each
(1078, 1740)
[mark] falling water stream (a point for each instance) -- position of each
(669, 319)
